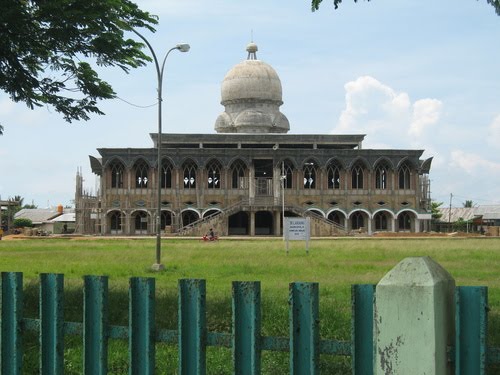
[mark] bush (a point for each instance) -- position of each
(22, 222)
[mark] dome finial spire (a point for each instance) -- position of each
(252, 51)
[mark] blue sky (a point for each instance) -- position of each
(414, 74)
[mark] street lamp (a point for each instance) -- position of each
(283, 180)
(183, 47)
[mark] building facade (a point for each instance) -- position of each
(250, 174)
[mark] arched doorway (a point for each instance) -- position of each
(337, 217)
(358, 221)
(115, 222)
(189, 216)
(263, 223)
(140, 220)
(381, 221)
(211, 212)
(405, 221)
(238, 224)
(166, 221)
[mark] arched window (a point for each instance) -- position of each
(238, 175)
(189, 178)
(380, 221)
(381, 176)
(404, 221)
(357, 176)
(288, 174)
(333, 176)
(117, 174)
(309, 175)
(404, 177)
(357, 220)
(213, 175)
(141, 174)
(166, 175)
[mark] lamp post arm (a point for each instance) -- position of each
(157, 64)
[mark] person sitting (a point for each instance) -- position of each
(211, 234)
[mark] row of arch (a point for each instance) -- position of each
(141, 221)
(213, 174)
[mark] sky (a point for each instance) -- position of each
(413, 74)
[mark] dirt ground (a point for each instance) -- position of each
(11, 237)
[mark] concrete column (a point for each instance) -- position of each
(393, 225)
(417, 225)
(277, 223)
(369, 225)
(251, 183)
(127, 227)
(252, 223)
(414, 319)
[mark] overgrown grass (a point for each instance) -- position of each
(336, 264)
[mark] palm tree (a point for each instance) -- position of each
(468, 204)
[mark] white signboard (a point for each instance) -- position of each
(297, 229)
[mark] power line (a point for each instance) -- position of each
(136, 105)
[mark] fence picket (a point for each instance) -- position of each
(304, 328)
(192, 327)
(51, 324)
(142, 326)
(11, 358)
(246, 328)
(469, 355)
(362, 328)
(95, 325)
(471, 321)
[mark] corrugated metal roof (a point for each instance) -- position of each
(464, 213)
(69, 217)
(37, 215)
(488, 212)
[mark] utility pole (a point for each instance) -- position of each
(449, 213)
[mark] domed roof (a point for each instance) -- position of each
(249, 118)
(251, 95)
(251, 79)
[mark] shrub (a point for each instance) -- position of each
(22, 222)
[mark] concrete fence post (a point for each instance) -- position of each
(414, 319)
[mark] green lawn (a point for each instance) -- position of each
(335, 264)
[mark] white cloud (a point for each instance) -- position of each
(473, 164)
(385, 115)
(369, 103)
(426, 112)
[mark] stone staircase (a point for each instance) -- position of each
(320, 226)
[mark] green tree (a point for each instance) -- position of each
(468, 204)
(436, 215)
(315, 4)
(47, 47)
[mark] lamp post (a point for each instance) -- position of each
(158, 266)
(283, 180)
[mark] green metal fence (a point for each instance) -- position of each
(470, 353)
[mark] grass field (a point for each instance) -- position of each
(336, 264)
